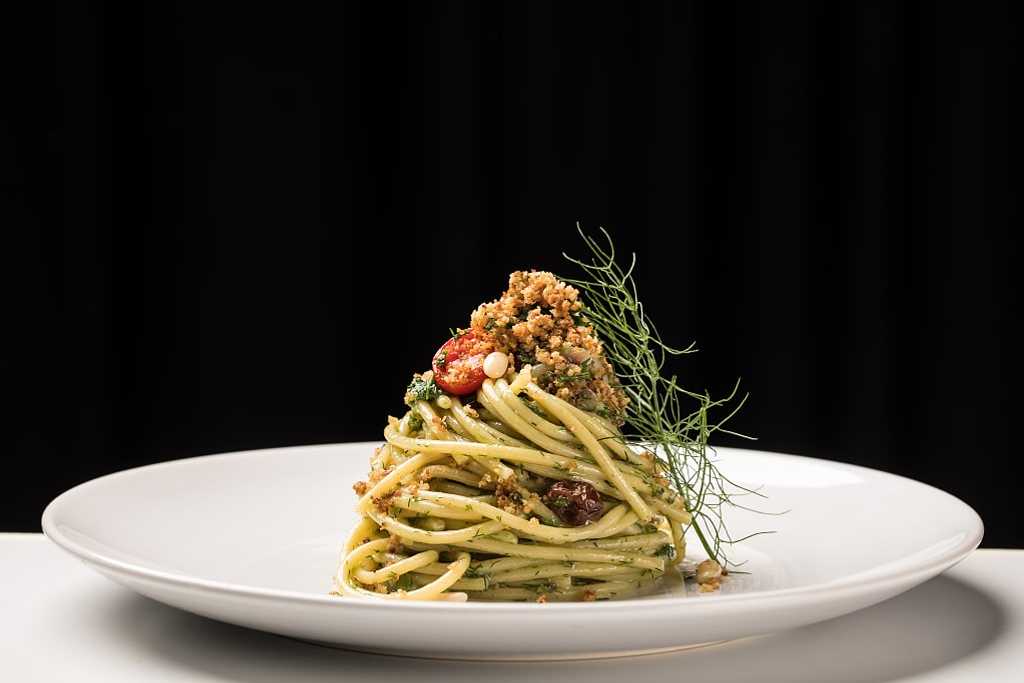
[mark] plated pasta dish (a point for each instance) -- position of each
(543, 457)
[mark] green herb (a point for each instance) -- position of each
(441, 358)
(415, 421)
(525, 358)
(420, 389)
(405, 582)
(559, 503)
(585, 373)
(489, 325)
(668, 551)
(456, 332)
(662, 416)
(613, 416)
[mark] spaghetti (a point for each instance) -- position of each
(459, 513)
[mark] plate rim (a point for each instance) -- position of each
(815, 592)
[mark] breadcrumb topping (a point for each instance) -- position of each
(508, 498)
(539, 320)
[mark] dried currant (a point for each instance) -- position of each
(575, 502)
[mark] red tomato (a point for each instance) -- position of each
(459, 363)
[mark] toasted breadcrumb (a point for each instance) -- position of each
(507, 496)
(438, 425)
(383, 503)
(394, 543)
(539, 321)
(379, 473)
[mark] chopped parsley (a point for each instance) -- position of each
(415, 421)
(441, 358)
(668, 551)
(525, 358)
(420, 389)
(405, 583)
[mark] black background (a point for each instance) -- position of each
(230, 227)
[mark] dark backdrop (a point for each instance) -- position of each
(233, 228)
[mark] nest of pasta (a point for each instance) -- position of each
(508, 478)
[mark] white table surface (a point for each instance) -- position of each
(60, 622)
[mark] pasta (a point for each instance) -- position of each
(513, 483)
(432, 527)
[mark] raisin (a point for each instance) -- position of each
(575, 502)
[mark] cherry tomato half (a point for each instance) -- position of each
(459, 363)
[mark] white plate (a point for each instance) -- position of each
(253, 539)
